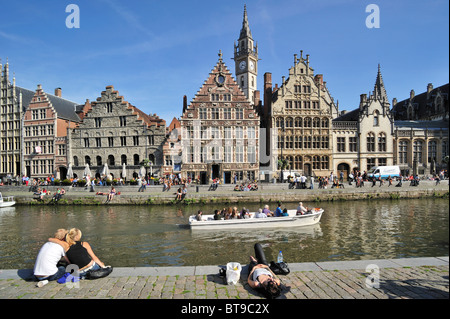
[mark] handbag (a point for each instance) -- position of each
(99, 273)
(279, 268)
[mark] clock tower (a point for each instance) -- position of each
(246, 60)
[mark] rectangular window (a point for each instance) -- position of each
(98, 142)
(239, 154)
(341, 144)
(203, 113)
(110, 141)
(239, 114)
(215, 113)
(122, 121)
(352, 144)
(227, 114)
(123, 141)
(370, 163)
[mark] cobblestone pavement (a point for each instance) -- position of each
(404, 282)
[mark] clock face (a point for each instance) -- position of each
(252, 65)
(242, 65)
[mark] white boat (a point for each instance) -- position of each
(293, 220)
(7, 201)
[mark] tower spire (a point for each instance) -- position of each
(245, 31)
(379, 91)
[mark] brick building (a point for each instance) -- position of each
(46, 123)
(220, 131)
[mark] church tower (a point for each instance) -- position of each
(246, 60)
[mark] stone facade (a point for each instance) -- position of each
(297, 117)
(220, 131)
(114, 132)
(46, 122)
(421, 136)
(363, 138)
(12, 109)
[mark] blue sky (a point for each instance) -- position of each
(155, 52)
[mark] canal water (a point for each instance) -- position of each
(136, 236)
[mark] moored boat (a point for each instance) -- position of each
(293, 220)
(7, 201)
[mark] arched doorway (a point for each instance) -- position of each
(345, 169)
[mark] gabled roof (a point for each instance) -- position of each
(421, 102)
(211, 85)
(64, 108)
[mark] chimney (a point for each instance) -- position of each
(184, 103)
(58, 92)
(429, 89)
(319, 79)
(256, 97)
(362, 100)
(267, 93)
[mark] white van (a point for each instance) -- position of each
(384, 172)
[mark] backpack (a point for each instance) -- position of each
(279, 268)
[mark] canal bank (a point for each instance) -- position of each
(154, 195)
(405, 278)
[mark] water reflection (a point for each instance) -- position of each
(156, 235)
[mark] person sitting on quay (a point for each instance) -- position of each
(46, 265)
(111, 194)
(179, 194)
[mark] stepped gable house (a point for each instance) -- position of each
(298, 117)
(116, 139)
(46, 123)
(220, 131)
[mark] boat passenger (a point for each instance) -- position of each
(285, 213)
(217, 215)
(260, 214)
(245, 213)
(301, 210)
(267, 211)
(199, 216)
(278, 211)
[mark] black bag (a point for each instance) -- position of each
(279, 268)
(99, 273)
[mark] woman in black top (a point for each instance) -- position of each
(80, 253)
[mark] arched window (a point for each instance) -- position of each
(298, 122)
(111, 161)
(123, 159)
(99, 161)
(325, 123)
(417, 151)
(75, 160)
(316, 122)
(135, 159)
(432, 151)
(403, 152)
(307, 122)
(371, 142)
(87, 160)
(382, 142)
(376, 118)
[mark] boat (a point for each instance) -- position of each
(293, 220)
(7, 201)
